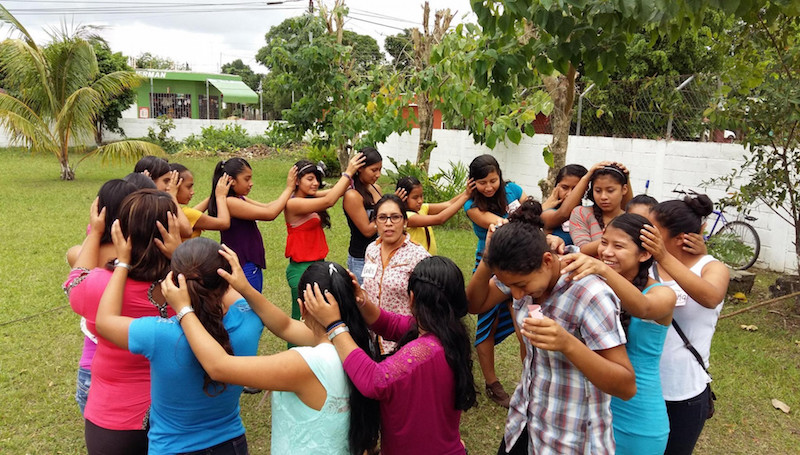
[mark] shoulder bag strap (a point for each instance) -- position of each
(690, 347)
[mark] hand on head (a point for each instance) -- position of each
(323, 308)
(177, 296)
(97, 217)
(223, 185)
(171, 236)
(121, 244)
(236, 278)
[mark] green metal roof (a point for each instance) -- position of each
(184, 75)
(234, 91)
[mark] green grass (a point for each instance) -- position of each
(40, 340)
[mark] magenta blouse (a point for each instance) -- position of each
(415, 388)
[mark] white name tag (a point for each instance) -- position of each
(682, 298)
(565, 226)
(513, 206)
(370, 270)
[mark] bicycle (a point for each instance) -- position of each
(736, 243)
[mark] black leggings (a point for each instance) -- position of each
(686, 421)
(235, 446)
(100, 441)
(520, 447)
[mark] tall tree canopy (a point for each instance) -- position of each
(238, 68)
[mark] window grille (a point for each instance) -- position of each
(173, 105)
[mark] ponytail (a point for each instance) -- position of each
(518, 246)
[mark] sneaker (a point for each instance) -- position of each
(252, 390)
(496, 393)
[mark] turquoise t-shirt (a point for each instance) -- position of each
(513, 193)
(182, 417)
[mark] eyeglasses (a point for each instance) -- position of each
(395, 218)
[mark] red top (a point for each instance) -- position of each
(120, 393)
(306, 241)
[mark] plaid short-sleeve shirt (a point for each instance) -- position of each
(563, 411)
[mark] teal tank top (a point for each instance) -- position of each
(641, 425)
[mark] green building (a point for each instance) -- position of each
(181, 94)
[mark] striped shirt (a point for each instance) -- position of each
(563, 411)
(583, 226)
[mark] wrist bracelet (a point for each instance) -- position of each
(184, 311)
(338, 331)
(333, 325)
(124, 265)
(345, 174)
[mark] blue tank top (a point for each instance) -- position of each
(645, 414)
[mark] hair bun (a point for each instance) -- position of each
(700, 204)
(529, 212)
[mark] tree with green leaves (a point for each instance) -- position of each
(342, 95)
(401, 48)
(151, 61)
(54, 96)
(761, 98)
(556, 40)
(109, 62)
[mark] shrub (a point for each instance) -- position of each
(280, 134)
(440, 187)
(165, 125)
(326, 154)
(229, 138)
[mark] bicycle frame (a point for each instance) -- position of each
(720, 217)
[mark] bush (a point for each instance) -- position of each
(162, 139)
(229, 138)
(440, 187)
(326, 154)
(280, 135)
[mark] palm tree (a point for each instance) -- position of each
(52, 99)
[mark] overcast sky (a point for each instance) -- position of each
(206, 33)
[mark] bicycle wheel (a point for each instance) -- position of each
(737, 244)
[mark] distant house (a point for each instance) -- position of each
(182, 94)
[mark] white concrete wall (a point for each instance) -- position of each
(665, 164)
(135, 127)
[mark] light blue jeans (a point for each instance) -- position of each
(82, 390)
(356, 265)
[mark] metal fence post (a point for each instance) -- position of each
(671, 114)
(580, 109)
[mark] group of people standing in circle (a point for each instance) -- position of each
(380, 358)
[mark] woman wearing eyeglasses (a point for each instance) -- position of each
(389, 261)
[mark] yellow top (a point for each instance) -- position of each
(193, 215)
(418, 234)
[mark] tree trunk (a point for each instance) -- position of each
(562, 92)
(98, 134)
(343, 153)
(425, 121)
(67, 173)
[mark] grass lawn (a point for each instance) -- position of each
(41, 342)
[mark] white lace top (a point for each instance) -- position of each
(296, 428)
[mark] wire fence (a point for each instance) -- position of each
(665, 107)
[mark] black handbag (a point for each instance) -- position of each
(712, 397)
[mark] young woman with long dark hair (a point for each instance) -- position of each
(427, 383)
(306, 215)
(205, 414)
(314, 407)
(700, 282)
(493, 199)
(641, 426)
(608, 190)
(119, 396)
(358, 209)
(243, 235)
(199, 220)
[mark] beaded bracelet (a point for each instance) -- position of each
(333, 325)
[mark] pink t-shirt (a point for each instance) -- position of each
(120, 392)
(416, 390)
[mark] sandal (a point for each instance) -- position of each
(496, 393)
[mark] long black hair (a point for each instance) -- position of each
(408, 183)
(518, 246)
(110, 196)
(140, 181)
(685, 216)
(371, 156)
(198, 260)
(440, 303)
(233, 167)
(573, 170)
(305, 167)
(479, 168)
(632, 224)
(364, 412)
(617, 174)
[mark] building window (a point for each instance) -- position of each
(212, 110)
(173, 105)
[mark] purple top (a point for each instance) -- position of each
(89, 348)
(415, 388)
(244, 238)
